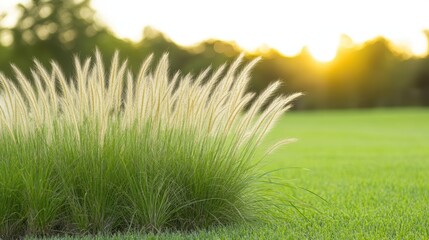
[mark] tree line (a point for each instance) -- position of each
(364, 76)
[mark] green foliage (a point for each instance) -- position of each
(371, 167)
(107, 153)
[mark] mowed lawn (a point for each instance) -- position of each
(371, 166)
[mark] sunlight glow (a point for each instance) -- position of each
(415, 44)
(323, 49)
(285, 25)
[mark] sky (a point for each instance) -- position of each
(287, 25)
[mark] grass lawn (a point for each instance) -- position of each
(372, 166)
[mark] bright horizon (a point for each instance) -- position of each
(284, 25)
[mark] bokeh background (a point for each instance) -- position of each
(307, 48)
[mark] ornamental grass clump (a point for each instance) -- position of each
(108, 151)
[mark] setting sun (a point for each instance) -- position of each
(284, 25)
(323, 49)
(167, 119)
(287, 26)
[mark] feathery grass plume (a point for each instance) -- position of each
(105, 151)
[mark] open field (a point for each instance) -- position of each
(371, 166)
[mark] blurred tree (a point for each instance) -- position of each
(50, 29)
(421, 87)
(367, 75)
(59, 24)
